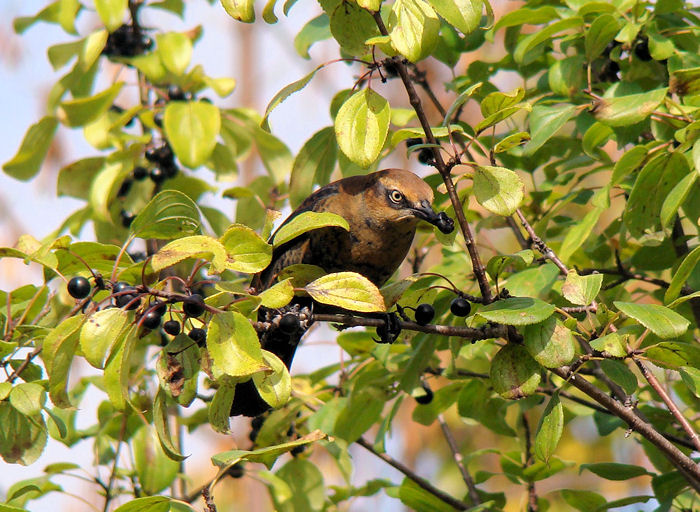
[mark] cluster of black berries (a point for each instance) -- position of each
(127, 41)
(162, 157)
(129, 297)
(425, 155)
(425, 312)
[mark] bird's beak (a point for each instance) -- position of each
(440, 220)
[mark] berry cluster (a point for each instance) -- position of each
(129, 297)
(162, 157)
(127, 41)
(425, 155)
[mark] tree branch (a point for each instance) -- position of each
(540, 245)
(531, 492)
(459, 460)
(481, 333)
(444, 170)
(420, 481)
(672, 407)
(685, 464)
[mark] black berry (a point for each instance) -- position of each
(129, 300)
(425, 156)
(139, 173)
(297, 450)
(641, 50)
(169, 169)
(151, 320)
(413, 142)
(193, 305)
(158, 119)
(127, 218)
(427, 397)
(121, 286)
(78, 287)
(175, 93)
(236, 471)
(199, 336)
(289, 323)
(172, 327)
(460, 307)
(159, 307)
(124, 188)
(424, 314)
(157, 175)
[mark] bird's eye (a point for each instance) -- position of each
(396, 196)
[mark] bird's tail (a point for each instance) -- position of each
(279, 341)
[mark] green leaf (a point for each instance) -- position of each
(240, 10)
(57, 352)
(28, 398)
(148, 504)
(566, 76)
(278, 295)
(417, 499)
(620, 374)
(653, 185)
(306, 221)
(154, 469)
(313, 164)
(601, 32)
(660, 320)
(31, 153)
(550, 429)
(612, 344)
(352, 26)
(170, 214)
(526, 16)
(514, 374)
(192, 128)
(118, 368)
(581, 290)
(82, 111)
(266, 455)
(545, 121)
(199, 246)
(524, 49)
(497, 101)
(245, 250)
(579, 233)
(175, 51)
(414, 28)
(303, 487)
(615, 471)
(361, 126)
(498, 189)
(233, 346)
(681, 275)
(99, 334)
(111, 12)
(675, 199)
(669, 354)
(517, 311)
(584, 501)
(550, 343)
(220, 406)
(347, 290)
(464, 15)
(287, 91)
(317, 29)
(160, 422)
(511, 141)
(275, 385)
(630, 109)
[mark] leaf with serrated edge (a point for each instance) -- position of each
(199, 246)
(581, 290)
(660, 320)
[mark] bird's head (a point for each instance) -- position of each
(401, 196)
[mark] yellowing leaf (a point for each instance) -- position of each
(192, 128)
(361, 126)
(347, 290)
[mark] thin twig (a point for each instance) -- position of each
(414, 99)
(672, 407)
(113, 474)
(420, 481)
(484, 332)
(685, 464)
(208, 500)
(531, 492)
(540, 245)
(24, 364)
(459, 460)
